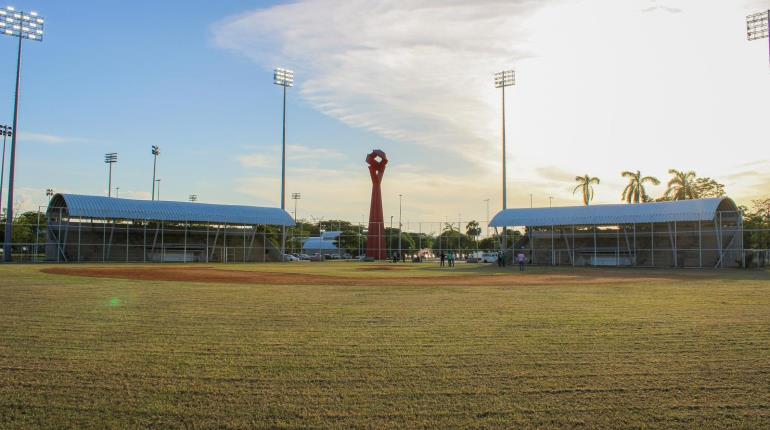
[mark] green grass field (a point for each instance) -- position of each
(602, 348)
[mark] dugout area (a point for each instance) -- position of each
(697, 233)
(102, 229)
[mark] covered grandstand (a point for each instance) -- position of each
(687, 233)
(93, 228)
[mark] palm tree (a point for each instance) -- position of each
(635, 191)
(585, 185)
(680, 187)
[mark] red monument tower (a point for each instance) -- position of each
(375, 239)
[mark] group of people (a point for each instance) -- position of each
(521, 259)
(448, 257)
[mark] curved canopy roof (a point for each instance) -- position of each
(76, 205)
(681, 210)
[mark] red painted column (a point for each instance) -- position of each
(375, 239)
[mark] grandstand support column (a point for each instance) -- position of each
(553, 252)
(573, 245)
(80, 226)
(740, 221)
(595, 250)
(700, 245)
(676, 248)
(652, 244)
(144, 244)
(617, 247)
(636, 248)
(128, 233)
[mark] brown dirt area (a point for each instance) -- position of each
(214, 275)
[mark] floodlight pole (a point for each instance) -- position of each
(284, 78)
(12, 163)
(503, 79)
(5, 130)
(400, 225)
(23, 26)
(155, 152)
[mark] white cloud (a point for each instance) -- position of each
(602, 87)
(50, 139)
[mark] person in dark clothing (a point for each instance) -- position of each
(443, 257)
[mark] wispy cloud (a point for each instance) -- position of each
(410, 71)
(51, 139)
(298, 155)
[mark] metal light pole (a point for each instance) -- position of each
(550, 201)
(157, 181)
(503, 79)
(390, 237)
(49, 194)
(758, 27)
(530, 201)
(193, 198)
(5, 131)
(110, 158)
(22, 26)
(487, 200)
(155, 153)
(295, 197)
(284, 78)
(400, 226)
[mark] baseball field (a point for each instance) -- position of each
(366, 345)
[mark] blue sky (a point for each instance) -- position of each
(602, 86)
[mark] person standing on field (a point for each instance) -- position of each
(522, 259)
(442, 256)
(451, 258)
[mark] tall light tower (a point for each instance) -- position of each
(284, 78)
(400, 225)
(503, 79)
(157, 181)
(295, 197)
(487, 200)
(22, 26)
(110, 158)
(193, 198)
(757, 26)
(5, 131)
(155, 153)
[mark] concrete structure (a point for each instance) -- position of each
(93, 228)
(687, 233)
(375, 239)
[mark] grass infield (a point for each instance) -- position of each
(353, 345)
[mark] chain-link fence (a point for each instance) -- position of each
(694, 244)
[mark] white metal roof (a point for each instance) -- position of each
(681, 210)
(76, 205)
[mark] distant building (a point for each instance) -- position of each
(327, 243)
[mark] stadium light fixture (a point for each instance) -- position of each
(155, 153)
(110, 158)
(758, 27)
(505, 78)
(49, 194)
(21, 25)
(5, 131)
(284, 78)
(193, 198)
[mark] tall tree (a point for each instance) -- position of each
(585, 184)
(681, 185)
(708, 188)
(634, 191)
